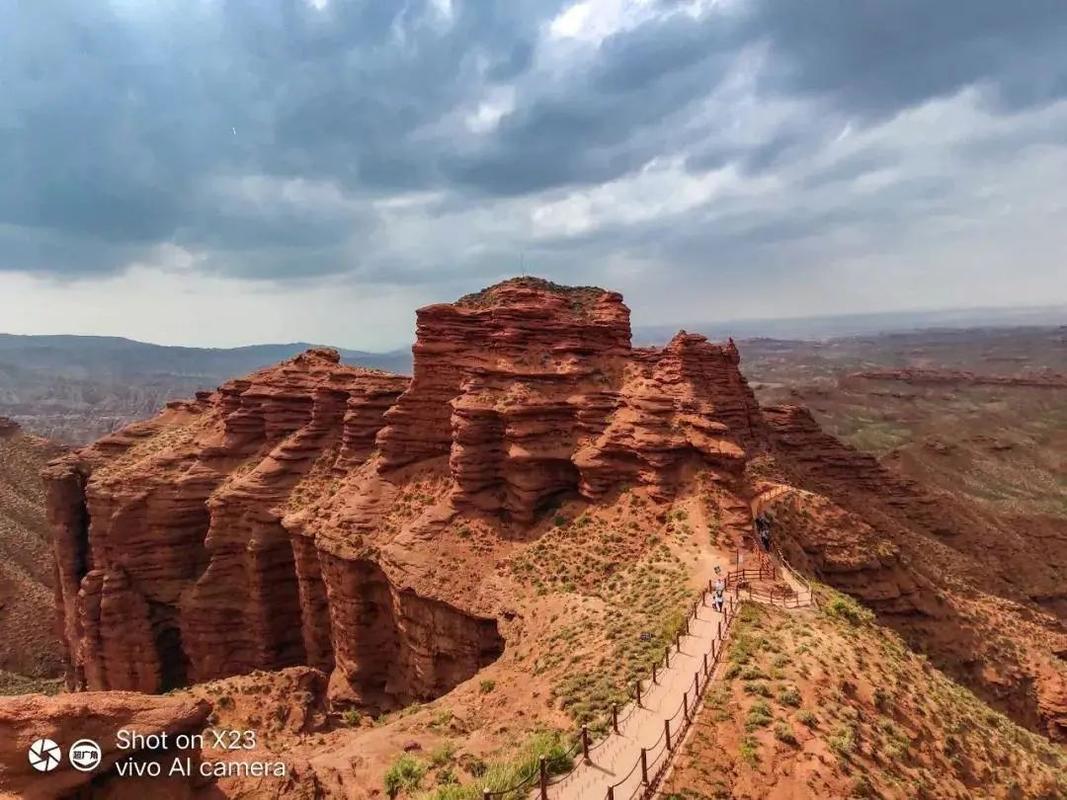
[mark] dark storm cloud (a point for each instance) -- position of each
(125, 126)
(608, 119)
(111, 126)
(875, 57)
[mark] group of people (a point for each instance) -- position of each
(718, 588)
(718, 594)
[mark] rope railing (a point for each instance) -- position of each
(653, 770)
(653, 762)
(583, 743)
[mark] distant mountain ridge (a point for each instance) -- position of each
(868, 324)
(120, 355)
(77, 388)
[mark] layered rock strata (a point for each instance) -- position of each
(253, 527)
(532, 391)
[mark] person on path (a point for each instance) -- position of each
(718, 600)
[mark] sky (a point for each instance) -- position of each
(225, 172)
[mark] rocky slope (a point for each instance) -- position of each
(931, 565)
(829, 705)
(29, 650)
(509, 537)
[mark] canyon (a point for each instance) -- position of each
(428, 548)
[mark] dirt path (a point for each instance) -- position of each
(617, 757)
(614, 763)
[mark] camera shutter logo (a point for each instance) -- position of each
(45, 755)
(84, 755)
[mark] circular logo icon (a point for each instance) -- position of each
(84, 755)
(45, 755)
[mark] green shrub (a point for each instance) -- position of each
(405, 774)
(783, 733)
(759, 716)
(749, 751)
(844, 608)
(486, 686)
(789, 697)
(881, 698)
(442, 754)
(842, 741)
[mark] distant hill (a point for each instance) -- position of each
(838, 325)
(77, 388)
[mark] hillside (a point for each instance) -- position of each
(827, 704)
(78, 388)
(29, 648)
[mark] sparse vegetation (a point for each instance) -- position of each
(405, 774)
(875, 700)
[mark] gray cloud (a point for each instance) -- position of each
(876, 58)
(272, 139)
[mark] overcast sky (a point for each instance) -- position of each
(226, 172)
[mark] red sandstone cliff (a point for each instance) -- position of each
(255, 526)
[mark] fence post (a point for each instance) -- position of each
(615, 717)
(585, 742)
(706, 660)
(696, 686)
(543, 772)
(685, 705)
(678, 640)
(667, 657)
(713, 651)
(644, 766)
(667, 733)
(611, 793)
(719, 634)
(639, 694)
(486, 795)
(653, 671)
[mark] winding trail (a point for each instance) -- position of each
(615, 769)
(616, 760)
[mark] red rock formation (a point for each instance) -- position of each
(172, 561)
(533, 390)
(97, 716)
(189, 547)
(832, 466)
